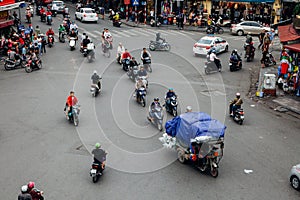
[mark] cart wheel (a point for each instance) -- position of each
(214, 172)
(181, 156)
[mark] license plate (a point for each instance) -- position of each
(93, 171)
(242, 117)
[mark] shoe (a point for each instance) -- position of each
(219, 70)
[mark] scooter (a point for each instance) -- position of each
(62, 37)
(164, 46)
(49, 19)
(117, 23)
(50, 41)
(269, 60)
(30, 66)
(141, 96)
(235, 64)
(211, 67)
(238, 114)
(171, 105)
(97, 171)
(158, 115)
(132, 73)
(14, 64)
(212, 29)
(72, 43)
(95, 89)
(147, 64)
(74, 115)
(126, 64)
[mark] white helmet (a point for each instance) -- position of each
(95, 72)
(189, 109)
(24, 188)
(238, 94)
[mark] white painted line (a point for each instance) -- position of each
(119, 33)
(139, 32)
(91, 34)
(167, 32)
(191, 32)
(178, 32)
(151, 31)
(129, 32)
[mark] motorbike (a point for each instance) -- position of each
(269, 60)
(96, 171)
(132, 72)
(95, 89)
(30, 65)
(154, 23)
(141, 96)
(126, 64)
(84, 51)
(62, 37)
(158, 116)
(238, 114)
(74, 115)
(171, 105)
(50, 40)
(212, 29)
(163, 46)
(234, 64)
(147, 64)
(72, 43)
(43, 17)
(91, 55)
(211, 67)
(117, 23)
(14, 64)
(49, 19)
(249, 51)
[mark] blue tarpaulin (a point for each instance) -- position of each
(190, 125)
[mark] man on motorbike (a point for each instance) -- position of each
(99, 156)
(34, 192)
(158, 39)
(85, 42)
(96, 79)
(50, 32)
(145, 54)
(48, 13)
(73, 34)
(120, 51)
(74, 26)
(215, 59)
(126, 55)
(169, 94)
(138, 84)
(24, 193)
(61, 29)
(33, 57)
(133, 62)
(71, 101)
(236, 104)
(235, 57)
(153, 105)
(142, 73)
(116, 17)
(42, 11)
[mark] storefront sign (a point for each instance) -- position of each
(3, 15)
(126, 2)
(135, 2)
(6, 2)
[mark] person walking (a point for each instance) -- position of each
(261, 38)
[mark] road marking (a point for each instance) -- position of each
(129, 32)
(148, 32)
(151, 31)
(91, 34)
(167, 32)
(120, 33)
(139, 32)
(191, 33)
(177, 32)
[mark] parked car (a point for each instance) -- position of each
(246, 27)
(205, 43)
(86, 15)
(295, 177)
(58, 6)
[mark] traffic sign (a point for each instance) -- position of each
(143, 3)
(135, 2)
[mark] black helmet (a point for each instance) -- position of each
(234, 51)
(156, 99)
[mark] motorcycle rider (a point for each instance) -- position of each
(120, 51)
(96, 80)
(71, 101)
(158, 39)
(236, 104)
(33, 57)
(153, 105)
(116, 17)
(145, 54)
(43, 13)
(142, 73)
(133, 62)
(24, 193)
(34, 192)
(168, 96)
(12, 54)
(138, 84)
(85, 42)
(48, 13)
(126, 55)
(61, 29)
(50, 32)
(99, 156)
(235, 57)
(74, 26)
(215, 59)
(73, 34)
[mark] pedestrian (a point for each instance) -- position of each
(267, 41)
(44, 43)
(272, 36)
(180, 20)
(261, 38)
(37, 30)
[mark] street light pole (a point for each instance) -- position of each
(155, 16)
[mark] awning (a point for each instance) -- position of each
(293, 47)
(11, 6)
(287, 33)
(6, 23)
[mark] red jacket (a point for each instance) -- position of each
(126, 55)
(48, 13)
(71, 101)
(50, 32)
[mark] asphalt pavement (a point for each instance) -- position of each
(38, 143)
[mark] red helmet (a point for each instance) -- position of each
(30, 185)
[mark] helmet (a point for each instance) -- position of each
(156, 99)
(24, 188)
(213, 51)
(95, 72)
(133, 58)
(157, 34)
(238, 94)
(30, 185)
(189, 109)
(50, 28)
(170, 89)
(97, 145)
(234, 51)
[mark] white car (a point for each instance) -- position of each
(86, 15)
(204, 44)
(246, 27)
(58, 6)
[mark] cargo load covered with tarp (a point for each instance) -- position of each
(190, 125)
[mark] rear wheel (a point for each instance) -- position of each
(28, 69)
(6, 67)
(226, 48)
(40, 65)
(95, 179)
(240, 122)
(152, 47)
(143, 101)
(181, 156)
(240, 32)
(159, 126)
(295, 182)
(206, 71)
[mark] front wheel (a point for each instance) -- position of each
(143, 101)
(75, 120)
(295, 182)
(152, 47)
(181, 156)
(174, 113)
(214, 172)
(168, 47)
(159, 126)
(206, 71)
(221, 31)
(95, 179)
(6, 67)
(241, 122)
(40, 65)
(28, 69)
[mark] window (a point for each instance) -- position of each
(204, 41)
